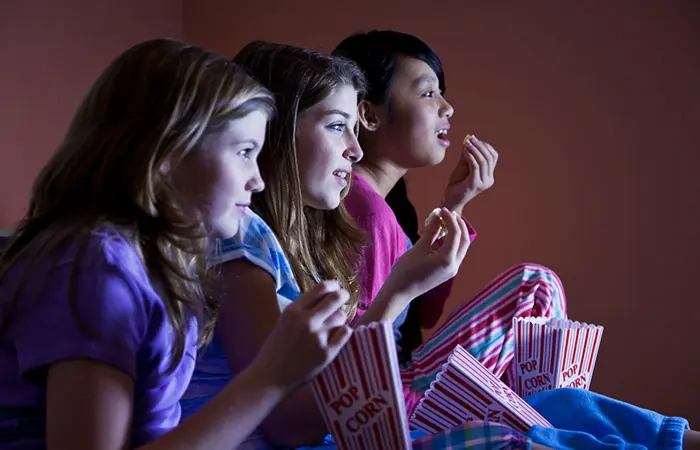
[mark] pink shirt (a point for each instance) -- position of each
(386, 242)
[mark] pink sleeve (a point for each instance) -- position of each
(383, 246)
(432, 303)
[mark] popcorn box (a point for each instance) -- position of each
(360, 393)
(554, 353)
(465, 390)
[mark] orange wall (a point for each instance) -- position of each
(594, 109)
(50, 53)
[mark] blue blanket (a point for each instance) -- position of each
(586, 420)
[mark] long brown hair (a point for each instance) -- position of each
(319, 244)
(147, 111)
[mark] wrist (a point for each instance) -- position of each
(400, 293)
(266, 379)
(458, 208)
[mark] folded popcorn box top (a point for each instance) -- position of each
(554, 353)
(465, 390)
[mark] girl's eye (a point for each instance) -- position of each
(429, 94)
(340, 127)
(245, 153)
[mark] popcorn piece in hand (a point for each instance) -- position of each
(467, 138)
(443, 228)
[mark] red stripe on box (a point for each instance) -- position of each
(386, 432)
(324, 389)
(471, 407)
(476, 393)
(361, 442)
(382, 370)
(442, 411)
(465, 391)
(580, 367)
(576, 348)
(473, 400)
(377, 434)
(341, 378)
(437, 406)
(392, 423)
(336, 429)
(365, 364)
(376, 363)
(360, 373)
(542, 347)
(597, 338)
(566, 349)
(555, 340)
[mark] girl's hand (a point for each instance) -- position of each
(308, 336)
(430, 263)
(473, 175)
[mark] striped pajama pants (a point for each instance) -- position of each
(483, 326)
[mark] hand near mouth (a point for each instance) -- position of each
(473, 174)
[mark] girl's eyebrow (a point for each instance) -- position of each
(430, 79)
(331, 112)
(252, 142)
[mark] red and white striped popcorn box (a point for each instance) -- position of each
(360, 393)
(554, 353)
(465, 390)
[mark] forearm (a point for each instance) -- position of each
(387, 305)
(228, 418)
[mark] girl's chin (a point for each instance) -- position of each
(225, 229)
(325, 203)
(433, 158)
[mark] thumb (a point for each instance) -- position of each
(431, 231)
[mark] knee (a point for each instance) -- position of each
(537, 272)
(549, 281)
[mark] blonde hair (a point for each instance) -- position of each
(319, 244)
(145, 113)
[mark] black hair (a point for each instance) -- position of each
(377, 53)
(405, 212)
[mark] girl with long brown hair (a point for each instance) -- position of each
(299, 232)
(103, 286)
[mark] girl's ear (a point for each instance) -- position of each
(369, 119)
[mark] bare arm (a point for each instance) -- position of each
(90, 404)
(248, 315)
